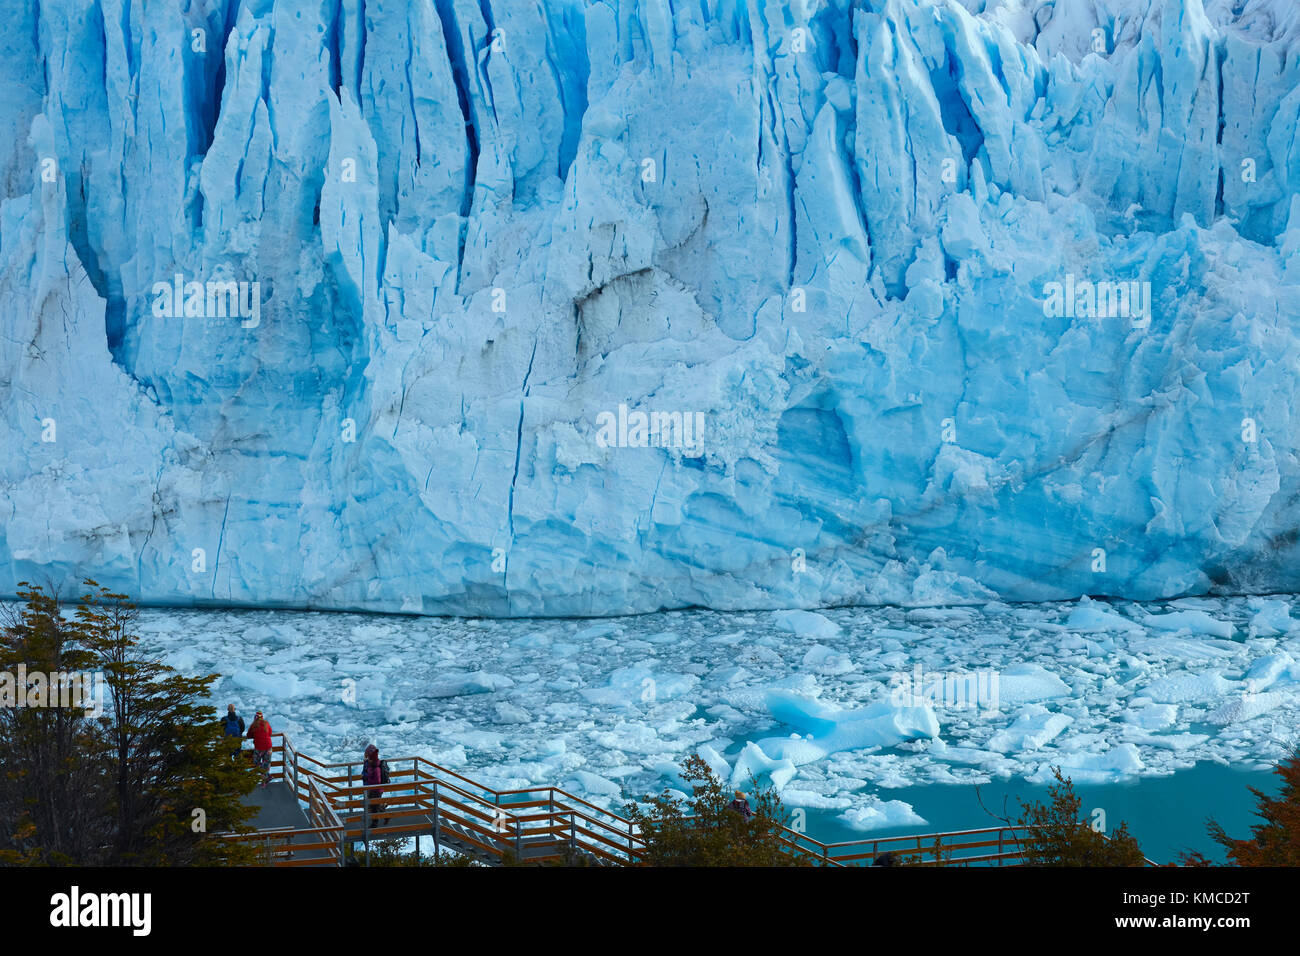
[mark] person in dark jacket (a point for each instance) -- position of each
(741, 805)
(233, 726)
(233, 723)
(373, 773)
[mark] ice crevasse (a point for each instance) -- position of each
(873, 250)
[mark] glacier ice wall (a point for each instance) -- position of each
(830, 231)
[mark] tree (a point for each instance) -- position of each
(1275, 841)
(170, 764)
(704, 831)
(142, 783)
(1056, 835)
(52, 797)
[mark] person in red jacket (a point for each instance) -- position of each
(260, 731)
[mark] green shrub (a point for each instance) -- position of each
(704, 831)
(1058, 836)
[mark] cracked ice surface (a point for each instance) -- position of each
(609, 710)
(839, 260)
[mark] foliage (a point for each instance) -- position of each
(1276, 840)
(52, 770)
(145, 781)
(1056, 835)
(704, 831)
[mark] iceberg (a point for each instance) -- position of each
(881, 814)
(1032, 727)
(829, 729)
(323, 305)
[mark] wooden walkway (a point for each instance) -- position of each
(313, 812)
(277, 808)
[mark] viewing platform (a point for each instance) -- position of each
(312, 812)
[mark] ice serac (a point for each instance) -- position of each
(831, 231)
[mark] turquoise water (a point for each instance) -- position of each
(1166, 814)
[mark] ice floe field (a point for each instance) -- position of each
(831, 707)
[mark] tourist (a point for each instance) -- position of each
(260, 731)
(741, 805)
(233, 723)
(374, 772)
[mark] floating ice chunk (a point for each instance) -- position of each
(717, 763)
(1121, 760)
(974, 756)
(888, 636)
(833, 729)
(881, 815)
(824, 660)
(895, 660)
(403, 713)
(1273, 617)
(1183, 687)
(279, 635)
(806, 624)
(453, 756)
(732, 674)
(584, 782)
(1175, 742)
(1150, 716)
(185, 660)
(755, 697)
(478, 739)
(1272, 669)
(752, 762)
(792, 797)
(730, 638)
(798, 750)
(534, 640)
(1196, 622)
(1245, 706)
(276, 686)
(640, 684)
(1034, 726)
(1026, 683)
(1091, 617)
(942, 615)
(461, 683)
(507, 713)
(1164, 647)
(596, 630)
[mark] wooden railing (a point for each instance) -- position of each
(539, 825)
(535, 825)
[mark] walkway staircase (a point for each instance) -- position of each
(314, 814)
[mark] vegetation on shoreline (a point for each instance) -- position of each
(705, 831)
(1275, 841)
(1056, 834)
(107, 756)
